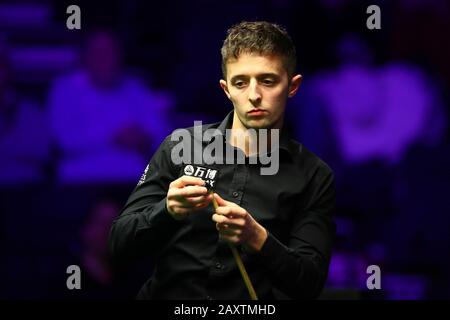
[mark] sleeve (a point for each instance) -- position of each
(300, 269)
(144, 225)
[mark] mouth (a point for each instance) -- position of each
(257, 112)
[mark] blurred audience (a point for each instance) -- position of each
(105, 121)
(368, 122)
(375, 113)
(98, 274)
(94, 235)
(24, 134)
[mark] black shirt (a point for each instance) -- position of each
(295, 206)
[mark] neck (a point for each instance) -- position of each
(248, 140)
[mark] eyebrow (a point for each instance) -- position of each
(259, 76)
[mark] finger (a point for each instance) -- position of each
(225, 211)
(221, 226)
(231, 239)
(228, 228)
(187, 180)
(192, 207)
(221, 202)
(235, 223)
(189, 191)
(232, 212)
(220, 218)
(201, 205)
(232, 223)
(199, 199)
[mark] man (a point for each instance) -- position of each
(281, 223)
(23, 160)
(103, 117)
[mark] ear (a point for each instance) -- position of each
(224, 86)
(294, 85)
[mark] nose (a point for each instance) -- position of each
(254, 94)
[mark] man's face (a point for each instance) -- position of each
(103, 59)
(258, 87)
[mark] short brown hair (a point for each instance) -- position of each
(260, 37)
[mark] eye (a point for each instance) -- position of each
(268, 82)
(239, 84)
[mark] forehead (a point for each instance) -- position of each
(251, 64)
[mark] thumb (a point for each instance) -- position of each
(221, 202)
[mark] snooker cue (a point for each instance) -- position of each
(240, 264)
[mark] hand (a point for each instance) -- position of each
(237, 226)
(186, 195)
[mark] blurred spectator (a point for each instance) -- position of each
(376, 113)
(100, 278)
(94, 235)
(24, 135)
(104, 120)
(98, 275)
(363, 119)
(369, 122)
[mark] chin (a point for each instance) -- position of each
(258, 124)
